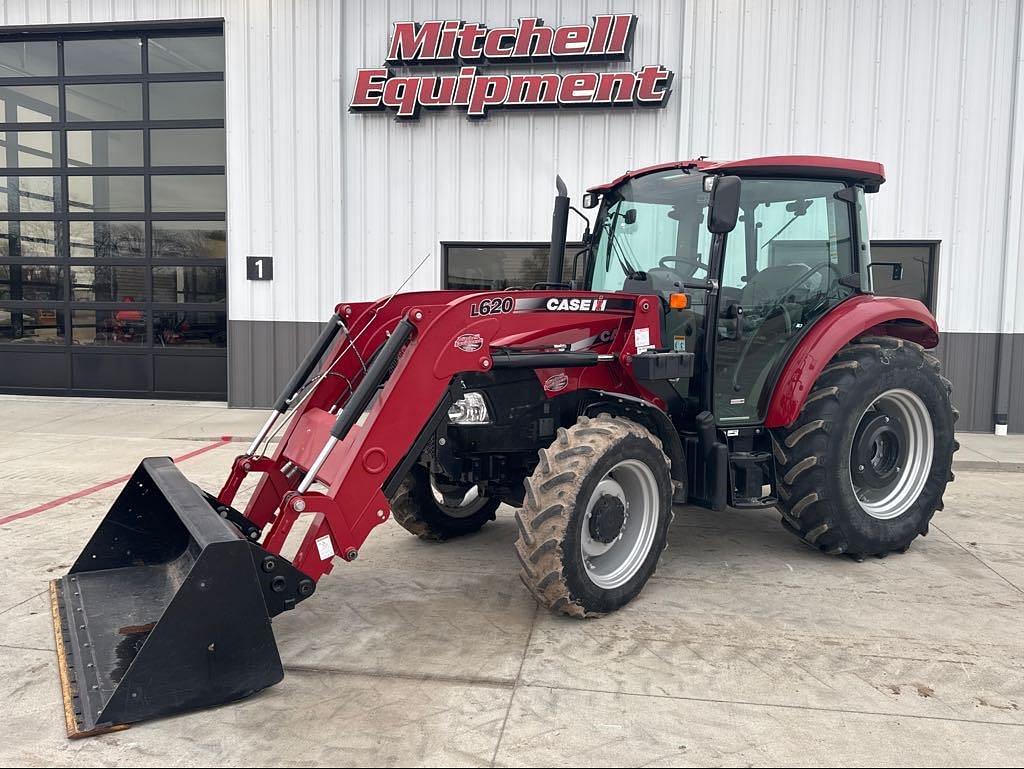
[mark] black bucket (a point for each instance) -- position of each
(168, 608)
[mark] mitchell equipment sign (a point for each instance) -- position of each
(466, 45)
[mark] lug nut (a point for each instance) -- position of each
(306, 587)
(269, 564)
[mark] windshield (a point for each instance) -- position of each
(655, 220)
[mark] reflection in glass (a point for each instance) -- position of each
(27, 239)
(27, 194)
(479, 268)
(189, 284)
(189, 240)
(107, 283)
(105, 101)
(28, 104)
(186, 54)
(31, 326)
(34, 282)
(188, 192)
(121, 56)
(107, 240)
(105, 194)
(187, 101)
(30, 58)
(29, 149)
(104, 148)
(191, 329)
(108, 328)
(187, 147)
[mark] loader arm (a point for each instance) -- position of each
(408, 355)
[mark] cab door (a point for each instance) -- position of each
(780, 271)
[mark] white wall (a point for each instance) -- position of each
(347, 204)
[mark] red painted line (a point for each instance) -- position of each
(224, 439)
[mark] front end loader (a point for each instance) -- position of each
(721, 347)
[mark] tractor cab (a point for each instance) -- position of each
(745, 258)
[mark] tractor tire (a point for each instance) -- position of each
(595, 518)
(863, 468)
(416, 509)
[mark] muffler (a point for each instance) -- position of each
(168, 608)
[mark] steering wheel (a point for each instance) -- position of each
(692, 264)
(779, 304)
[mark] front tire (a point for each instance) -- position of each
(595, 519)
(420, 507)
(864, 467)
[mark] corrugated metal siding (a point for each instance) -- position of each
(349, 203)
(20, 12)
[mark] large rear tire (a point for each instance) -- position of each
(864, 467)
(595, 518)
(423, 508)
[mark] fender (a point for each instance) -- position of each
(887, 316)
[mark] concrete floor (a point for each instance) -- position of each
(745, 648)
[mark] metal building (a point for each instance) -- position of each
(345, 204)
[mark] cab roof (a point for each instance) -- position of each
(866, 172)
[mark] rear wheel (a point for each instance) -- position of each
(864, 467)
(595, 518)
(432, 509)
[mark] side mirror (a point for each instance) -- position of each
(591, 199)
(630, 216)
(725, 205)
(897, 269)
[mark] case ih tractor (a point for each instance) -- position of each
(721, 346)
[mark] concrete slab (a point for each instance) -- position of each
(746, 646)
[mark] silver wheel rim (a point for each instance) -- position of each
(891, 456)
(472, 500)
(612, 564)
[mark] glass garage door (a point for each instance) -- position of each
(112, 200)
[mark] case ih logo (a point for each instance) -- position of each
(556, 383)
(457, 43)
(469, 342)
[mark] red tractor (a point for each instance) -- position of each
(721, 347)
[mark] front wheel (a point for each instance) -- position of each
(432, 509)
(595, 518)
(864, 467)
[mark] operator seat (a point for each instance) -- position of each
(766, 286)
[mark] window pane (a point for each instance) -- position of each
(500, 267)
(27, 239)
(104, 148)
(188, 284)
(191, 329)
(186, 101)
(108, 283)
(187, 147)
(186, 54)
(104, 194)
(27, 193)
(29, 149)
(31, 326)
(28, 104)
(189, 240)
(189, 193)
(116, 101)
(108, 240)
(915, 281)
(105, 328)
(122, 56)
(37, 282)
(31, 58)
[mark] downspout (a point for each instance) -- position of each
(1013, 232)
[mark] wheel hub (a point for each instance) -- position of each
(877, 451)
(606, 518)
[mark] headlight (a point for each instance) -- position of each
(470, 409)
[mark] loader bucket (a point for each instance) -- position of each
(168, 607)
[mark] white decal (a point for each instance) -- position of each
(642, 339)
(325, 548)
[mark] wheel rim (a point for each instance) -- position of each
(619, 524)
(460, 503)
(891, 456)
